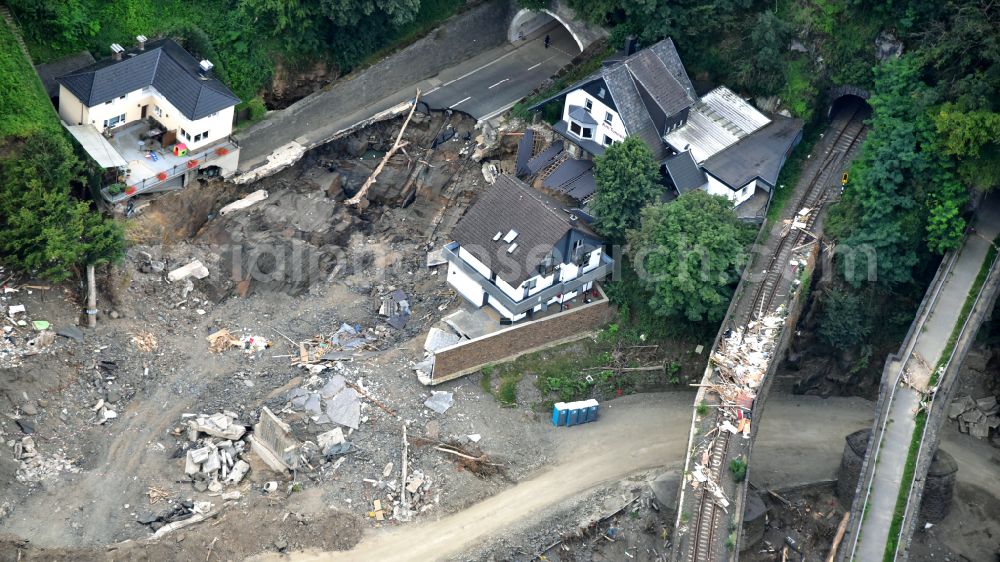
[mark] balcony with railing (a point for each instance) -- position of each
(151, 166)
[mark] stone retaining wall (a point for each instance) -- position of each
(939, 409)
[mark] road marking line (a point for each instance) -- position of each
(452, 106)
(429, 92)
(535, 66)
(498, 83)
(470, 73)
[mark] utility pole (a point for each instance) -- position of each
(91, 297)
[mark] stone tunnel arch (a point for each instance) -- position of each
(841, 97)
(527, 22)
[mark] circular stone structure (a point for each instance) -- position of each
(939, 487)
(850, 465)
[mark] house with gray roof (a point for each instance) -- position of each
(646, 94)
(718, 142)
(521, 252)
(153, 116)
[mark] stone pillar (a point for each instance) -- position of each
(939, 487)
(850, 465)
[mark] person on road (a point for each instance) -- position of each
(547, 41)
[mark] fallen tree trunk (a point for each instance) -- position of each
(395, 147)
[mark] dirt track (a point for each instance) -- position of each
(635, 433)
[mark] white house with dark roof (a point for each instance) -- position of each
(738, 150)
(520, 253)
(156, 113)
(646, 94)
(718, 143)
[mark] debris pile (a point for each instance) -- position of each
(20, 337)
(336, 401)
(214, 458)
(342, 345)
(975, 417)
(33, 466)
(223, 339)
(738, 368)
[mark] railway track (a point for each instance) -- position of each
(848, 137)
(849, 134)
(709, 513)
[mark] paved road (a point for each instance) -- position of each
(491, 83)
(635, 433)
(483, 86)
(926, 352)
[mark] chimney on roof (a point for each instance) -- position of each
(141, 39)
(631, 45)
(205, 69)
(116, 51)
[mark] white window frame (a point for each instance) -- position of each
(609, 117)
(588, 104)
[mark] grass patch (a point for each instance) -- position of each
(791, 172)
(701, 408)
(738, 468)
(24, 105)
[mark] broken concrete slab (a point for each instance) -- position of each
(330, 438)
(217, 425)
(436, 258)
(333, 386)
(470, 325)
(239, 470)
(440, 401)
(248, 201)
(345, 408)
(194, 269)
(986, 403)
(959, 406)
(439, 339)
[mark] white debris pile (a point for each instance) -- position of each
(215, 458)
(34, 467)
(976, 417)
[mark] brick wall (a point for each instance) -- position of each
(510, 343)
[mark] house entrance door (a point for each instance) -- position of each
(145, 109)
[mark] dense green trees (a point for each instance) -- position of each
(904, 196)
(45, 230)
(627, 179)
(844, 323)
(688, 254)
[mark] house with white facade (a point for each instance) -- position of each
(646, 94)
(153, 117)
(521, 253)
(718, 142)
(737, 149)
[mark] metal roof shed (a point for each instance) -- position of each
(97, 146)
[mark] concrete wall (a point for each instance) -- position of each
(510, 343)
(939, 407)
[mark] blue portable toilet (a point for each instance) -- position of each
(573, 417)
(559, 414)
(590, 406)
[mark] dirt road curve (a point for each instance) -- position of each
(635, 433)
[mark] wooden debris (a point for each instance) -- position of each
(221, 340)
(400, 143)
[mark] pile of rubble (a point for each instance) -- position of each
(976, 417)
(214, 458)
(20, 337)
(33, 466)
(337, 401)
